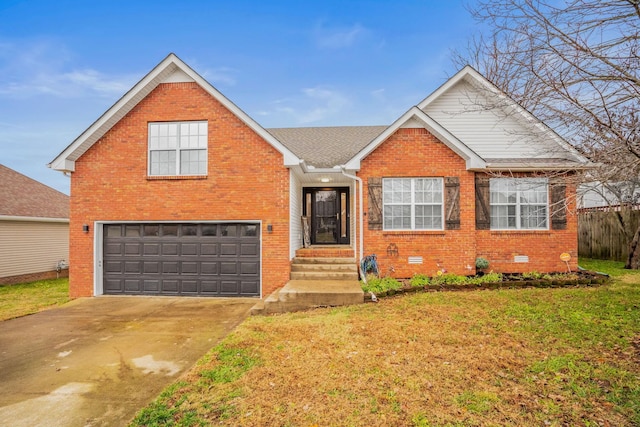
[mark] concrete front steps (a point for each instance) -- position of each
(319, 278)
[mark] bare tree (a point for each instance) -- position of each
(574, 64)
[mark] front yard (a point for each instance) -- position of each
(526, 357)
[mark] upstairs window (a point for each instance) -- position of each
(519, 203)
(178, 148)
(412, 203)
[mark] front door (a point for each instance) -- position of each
(328, 210)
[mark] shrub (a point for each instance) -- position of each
(487, 278)
(532, 275)
(482, 263)
(449, 279)
(377, 285)
(420, 280)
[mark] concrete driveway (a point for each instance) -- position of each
(97, 361)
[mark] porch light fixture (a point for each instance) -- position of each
(324, 180)
(85, 228)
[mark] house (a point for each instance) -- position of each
(34, 229)
(612, 194)
(177, 191)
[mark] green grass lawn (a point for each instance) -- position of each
(27, 298)
(526, 357)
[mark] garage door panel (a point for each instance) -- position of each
(189, 268)
(170, 286)
(113, 248)
(228, 230)
(249, 249)
(228, 268)
(182, 259)
(170, 267)
(134, 249)
(113, 285)
(249, 230)
(209, 268)
(229, 287)
(132, 285)
(249, 268)
(209, 287)
(189, 249)
(151, 267)
(250, 287)
(114, 267)
(190, 287)
(228, 249)
(151, 286)
(151, 249)
(132, 267)
(209, 249)
(170, 248)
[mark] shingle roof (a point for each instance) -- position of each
(325, 147)
(23, 196)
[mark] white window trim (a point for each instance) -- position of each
(413, 204)
(178, 149)
(518, 205)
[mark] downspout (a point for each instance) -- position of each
(360, 221)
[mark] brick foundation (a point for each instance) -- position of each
(33, 277)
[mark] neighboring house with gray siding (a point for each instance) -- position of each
(34, 229)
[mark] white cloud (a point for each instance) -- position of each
(220, 76)
(339, 38)
(43, 67)
(316, 105)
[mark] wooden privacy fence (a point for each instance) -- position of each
(599, 235)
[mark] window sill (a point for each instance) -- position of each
(413, 232)
(519, 232)
(174, 177)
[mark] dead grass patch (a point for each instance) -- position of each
(487, 358)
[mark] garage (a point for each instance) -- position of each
(189, 259)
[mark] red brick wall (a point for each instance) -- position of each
(417, 153)
(246, 181)
(542, 247)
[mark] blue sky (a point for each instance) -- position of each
(286, 63)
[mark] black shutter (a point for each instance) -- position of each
(452, 202)
(483, 200)
(558, 206)
(374, 188)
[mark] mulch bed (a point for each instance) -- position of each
(509, 281)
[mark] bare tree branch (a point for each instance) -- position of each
(575, 64)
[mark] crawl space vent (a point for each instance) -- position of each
(415, 260)
(521, 258)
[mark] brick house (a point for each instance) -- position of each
(177, 191)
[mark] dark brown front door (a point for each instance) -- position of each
(328, 209)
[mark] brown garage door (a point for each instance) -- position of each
(182, 259)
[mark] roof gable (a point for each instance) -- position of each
(494, 125)
(171, 70)
(21, 196)
(415, 117)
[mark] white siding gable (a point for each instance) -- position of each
(491, 130)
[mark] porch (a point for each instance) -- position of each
(321, 276)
